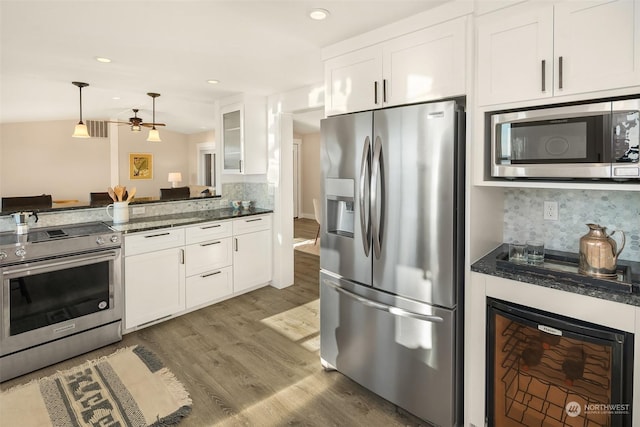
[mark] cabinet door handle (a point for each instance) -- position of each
(253, 220)
(240, 165)
(384, 90)
(156, 235)
(560, 72)
(181, 256)
(544, 75)
(210, 274)
(375, 92)
(210, 243)
(236, 243)
(210, 226)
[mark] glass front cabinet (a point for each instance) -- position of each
(244, 137)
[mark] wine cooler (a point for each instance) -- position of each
(545, 370)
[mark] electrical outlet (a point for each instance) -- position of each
(137, 210)
(550, 210)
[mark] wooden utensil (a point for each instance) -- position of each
(112, 194)
(119, 190)
(131, 194)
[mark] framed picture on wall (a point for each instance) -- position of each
(140, 166)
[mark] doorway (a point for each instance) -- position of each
(297, 198)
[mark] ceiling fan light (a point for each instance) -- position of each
(136, 128)
(81, 131)
(154, 135)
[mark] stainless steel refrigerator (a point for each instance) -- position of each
(392, 258)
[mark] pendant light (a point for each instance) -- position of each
(80, 130)
(154, 135)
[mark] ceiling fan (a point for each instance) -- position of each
(136, 122)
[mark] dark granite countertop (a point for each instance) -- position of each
(148, 223)
(491, 265)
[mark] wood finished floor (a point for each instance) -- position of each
(253, 360)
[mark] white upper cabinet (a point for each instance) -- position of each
(419, 66)
(244, 137)
(539, 50)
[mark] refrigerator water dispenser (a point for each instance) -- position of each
(340, 216)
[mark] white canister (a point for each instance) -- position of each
(120, 212)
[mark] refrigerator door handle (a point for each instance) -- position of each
(365, 174)
(377, 175)
(392, 310)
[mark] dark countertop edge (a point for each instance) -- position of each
(487, 265)
(137, 224)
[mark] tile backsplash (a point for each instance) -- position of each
(616, 210)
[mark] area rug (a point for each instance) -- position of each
(127, 388)
(307, 246)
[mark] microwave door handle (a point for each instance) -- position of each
(365, 224)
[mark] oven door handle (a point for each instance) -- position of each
(58, 262)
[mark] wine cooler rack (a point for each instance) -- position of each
(537, 395)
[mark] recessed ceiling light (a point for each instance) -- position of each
(319, 14)
(116, 97)
(213, 81)
(101, 59)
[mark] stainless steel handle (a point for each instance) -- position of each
(210, 243)
(34, 266)
(253, 220)
(560, 72)
(365, 172)
(544, 75)
(376, 174)
(375, 92)
(210, 226)
(236, 245)
(240, 165)
(210, 274)
(156, 235)
(383, 307)
(384, 91)
(181, 256)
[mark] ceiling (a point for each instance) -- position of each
(169, 47)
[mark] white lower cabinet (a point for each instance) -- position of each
(252, 253)
(209, 261)
(171, 271)
(154, 278)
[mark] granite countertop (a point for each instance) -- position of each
(491, 265)
(148, 223)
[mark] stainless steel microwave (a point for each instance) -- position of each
(587, 141)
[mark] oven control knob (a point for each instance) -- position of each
(114, 239)
(3, 255)
(100, 240)
(20, 252)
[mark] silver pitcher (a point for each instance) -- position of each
(22, 221)
(598, 252)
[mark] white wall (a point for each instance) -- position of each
(42, 158)
(309, 172)
(170, 155)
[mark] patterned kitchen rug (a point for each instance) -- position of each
(127, 388)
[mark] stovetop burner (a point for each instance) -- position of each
(55, 241)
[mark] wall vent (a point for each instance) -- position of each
(98, 128)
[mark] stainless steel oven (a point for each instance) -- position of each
(61, 295)
(588, 141)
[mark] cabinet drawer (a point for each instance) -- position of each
(205, 256)
(251, 224)
(207, 231)
(153, 241)
(209, 287)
